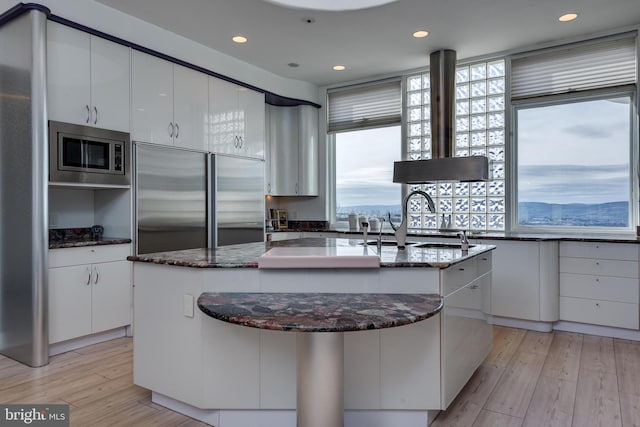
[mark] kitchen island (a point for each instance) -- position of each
(229, 375)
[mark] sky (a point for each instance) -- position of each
(364, 167)
(558, 146)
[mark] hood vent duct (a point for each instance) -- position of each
(443, 166)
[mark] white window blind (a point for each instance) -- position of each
(591, 65)
(363, 107)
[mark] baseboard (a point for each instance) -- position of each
(521, 324)
(287, 418)
(603, 331)
(73, 344)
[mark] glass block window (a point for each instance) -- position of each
(480, 131)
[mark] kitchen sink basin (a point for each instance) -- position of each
(386, 243)
(436, 245)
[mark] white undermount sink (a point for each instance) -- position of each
(319, 257)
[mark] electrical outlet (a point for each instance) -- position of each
(187, 306)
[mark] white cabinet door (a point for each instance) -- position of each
(111, 295)
(110, 82)
(69, 302)
(516, 279)
(190, 108)
(151, 99)
(88, 79)
(283, 162)
(223, 112)
(237, 120)
(68, 74)
(251, 123)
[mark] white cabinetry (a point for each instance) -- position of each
(292, 158)
(89, 290)
(87, 79)
(525, 279)
(236, 119)
(599, 284)
(169, 103)
(466, 336)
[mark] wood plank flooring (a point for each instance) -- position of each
(530, 379)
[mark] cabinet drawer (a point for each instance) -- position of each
(599, 267)
(621, 289)
(606, 313)
(458, 275)
(88, 255)
(484, 263)
(617, 251)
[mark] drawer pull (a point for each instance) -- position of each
(485, 259)
(474, 286)
(597, 279)
(461, 269)
(597, 304)
(597, 263)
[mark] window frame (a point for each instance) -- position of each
(563, 99)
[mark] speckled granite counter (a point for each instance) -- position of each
(313, 312)
(246, 255)
(74, 243)
(78, 237)
(494, 235)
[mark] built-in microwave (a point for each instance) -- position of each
(87, 155)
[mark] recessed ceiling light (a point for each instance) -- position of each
(568, 17)
(330, 5)
(420, 34)
(239, 39)
(339, 67)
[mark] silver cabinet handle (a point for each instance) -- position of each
(177, 130)
(97, 276)
(474, 287)
(88, 113)
(89, 273)
(170, 129)
(241, 141)
(296, 188)
(268, 188)
(95, 110)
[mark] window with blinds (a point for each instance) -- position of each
(598, 64)
(364, 107)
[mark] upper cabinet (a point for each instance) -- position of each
(292, 161)
(169, 103)
(87, 78)
(236, 119)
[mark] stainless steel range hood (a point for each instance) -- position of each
(442, 166)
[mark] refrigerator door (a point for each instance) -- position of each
(171, 194)
(238, 199)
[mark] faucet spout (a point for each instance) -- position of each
(401, 230)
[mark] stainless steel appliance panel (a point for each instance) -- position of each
(238, 200)
(171, 194)
(23, 190)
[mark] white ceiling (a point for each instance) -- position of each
(375, 41)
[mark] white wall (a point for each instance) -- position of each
(111, 21)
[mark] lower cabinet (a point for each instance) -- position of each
(525, 279)
(88, 298)
(599, 284)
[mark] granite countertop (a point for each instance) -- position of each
(495, 235)
(246, 255)
(314, 312)
(79, 237)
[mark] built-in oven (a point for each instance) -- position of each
(88, 155)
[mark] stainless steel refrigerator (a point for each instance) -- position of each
(186, 199)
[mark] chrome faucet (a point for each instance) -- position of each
(401, 230)
(464, 242)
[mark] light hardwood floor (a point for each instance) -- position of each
(530, 379)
